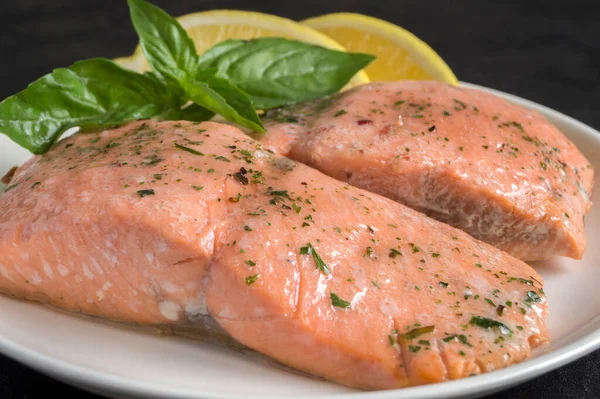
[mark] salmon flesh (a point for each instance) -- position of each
(464, 157)
(164, 223)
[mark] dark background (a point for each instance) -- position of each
(545, 51)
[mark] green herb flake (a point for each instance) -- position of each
(484, 322)
(250, 263)
(144, 193)
(521, 280)
(338, 302)
(449, 338)
(197, 188)
(340, 113)
(533, 297)
(414, 348)
(243, 180)
(310, 250)
(280, 193)
(463, 339)
(252, 279)
(188, 149)
(417, 332)
(394, 253)
(392, 340)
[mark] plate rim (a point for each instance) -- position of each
(83, 376)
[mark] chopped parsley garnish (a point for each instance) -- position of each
(412, 334)
(459, 105)
(144, 193)
(392, 339)
(414, 348)
(484, 322)
(338, 302)
(222, 158)
(449, 338)
(151, 160)
(443, 284)
(340, 113)
(394, 252)
(247, 228)
(532, 297)
(188, 149)
(251, 279)
(197, 188)
(500, 310)
(296, 208)
(250, 263)
(463, 339)
(240, 178)
(310, 250)
(375, 284)
(280, 193)
(522, 280)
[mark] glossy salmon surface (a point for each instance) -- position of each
(164, 223)
(465, 157)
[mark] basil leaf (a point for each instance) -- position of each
(277, 71)
(92, 92)
(239, 100)
(220, 97)
(166, 45)
(195, 113)
(207, 60)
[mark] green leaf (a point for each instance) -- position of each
(277, 71)
(220, 98)
(239, 100)
(195, 113)
(166, 45)
(210, 56)
(94, 92)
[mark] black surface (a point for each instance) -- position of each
(546, 51)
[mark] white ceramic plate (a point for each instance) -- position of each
(121, 362)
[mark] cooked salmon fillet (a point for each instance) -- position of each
(164, 223)
(465, 157)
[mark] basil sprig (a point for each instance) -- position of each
(276, 71)
(232, 79)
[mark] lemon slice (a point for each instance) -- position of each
(400, 54)
(211, 27)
